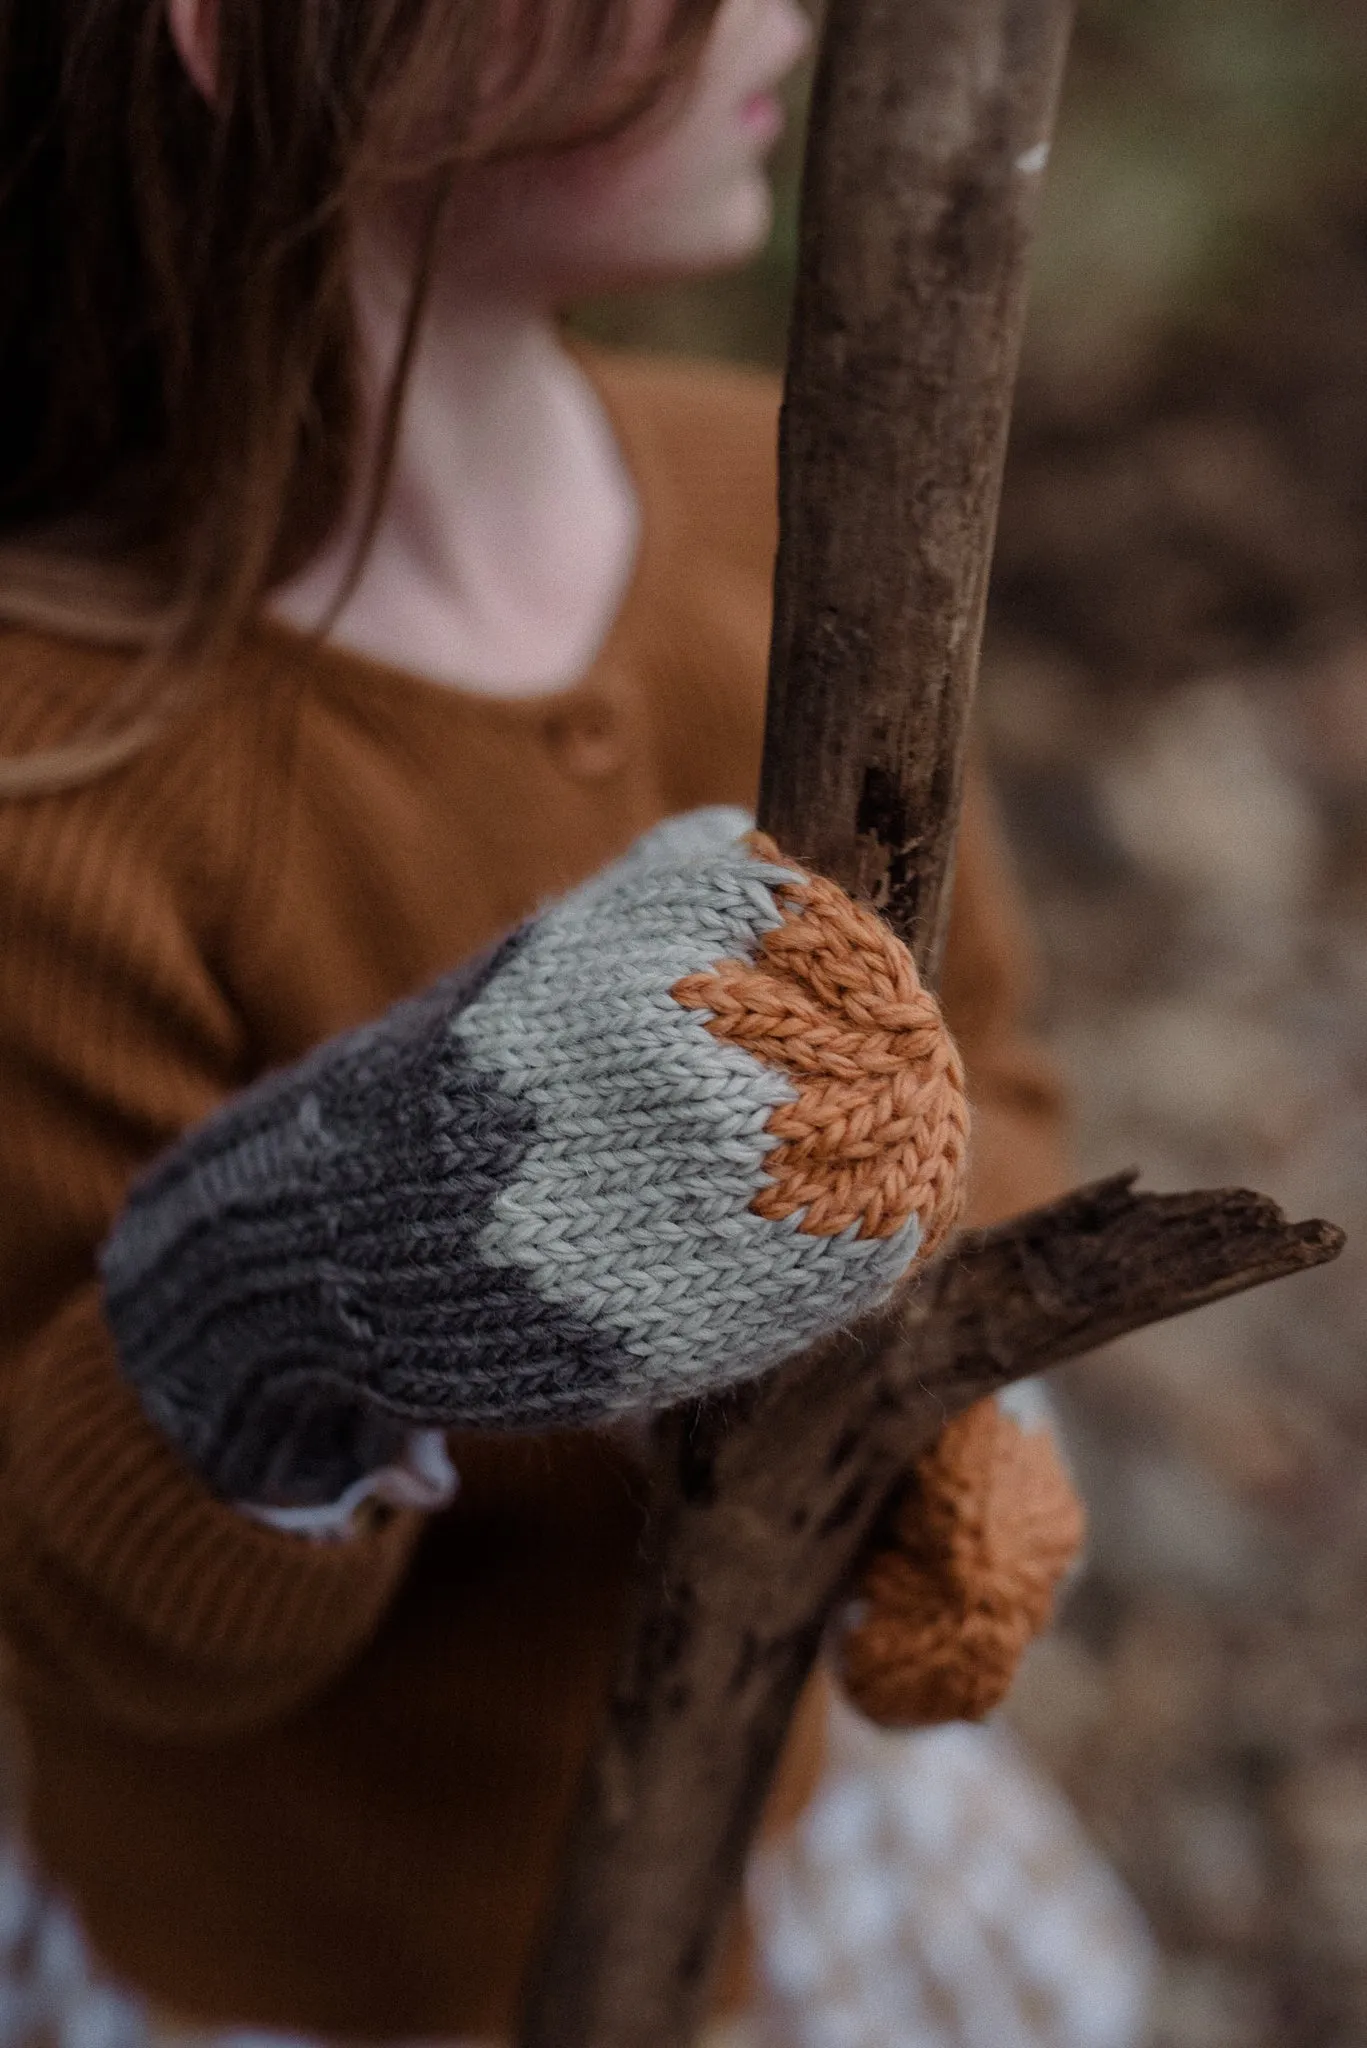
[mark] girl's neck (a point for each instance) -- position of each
(510, 526)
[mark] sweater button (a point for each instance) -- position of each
(586, 741)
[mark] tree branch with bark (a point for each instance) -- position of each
(929, 134)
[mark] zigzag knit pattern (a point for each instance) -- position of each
(692, 1116)
(879, 1130)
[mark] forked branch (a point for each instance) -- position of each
(930, 129)
(764, 1503)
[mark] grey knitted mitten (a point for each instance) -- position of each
(688, 1118)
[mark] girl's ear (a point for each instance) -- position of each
(194, 31)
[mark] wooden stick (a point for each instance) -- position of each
(930, 127)
(1058, 1281)
(929, 135)
(763, 1504)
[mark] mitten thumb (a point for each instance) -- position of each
(979, 1543)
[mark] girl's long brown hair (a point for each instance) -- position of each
(178, 372)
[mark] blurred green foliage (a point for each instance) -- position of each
(1194, 135)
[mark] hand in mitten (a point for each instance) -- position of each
(966, 1578)
(688, 1118)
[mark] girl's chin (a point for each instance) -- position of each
(732, 234)
(726, 224)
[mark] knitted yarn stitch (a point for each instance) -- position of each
(879, 1130)
(557, 1186)
(979, 1544)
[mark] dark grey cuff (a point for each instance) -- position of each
(295, 1286)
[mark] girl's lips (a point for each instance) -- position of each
(761, 116)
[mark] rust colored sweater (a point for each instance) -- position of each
(322, 1786)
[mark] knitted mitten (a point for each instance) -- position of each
(978, 1544)
(690, 1117)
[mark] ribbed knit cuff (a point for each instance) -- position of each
(130, 1578)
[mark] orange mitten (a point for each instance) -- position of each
(979, 1543)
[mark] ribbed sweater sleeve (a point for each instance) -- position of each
(127, 1584)
(127, 1589)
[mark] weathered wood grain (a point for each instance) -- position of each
(763, 1505)
(930, 129)
(930, 134)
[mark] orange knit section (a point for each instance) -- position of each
(980, 1542)
(879, 1131)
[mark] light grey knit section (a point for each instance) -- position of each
(630, 1207)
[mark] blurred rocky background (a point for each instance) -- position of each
(1175, 701)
